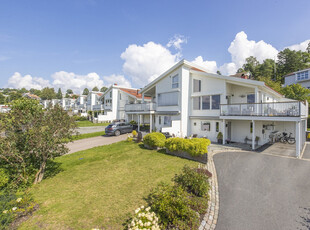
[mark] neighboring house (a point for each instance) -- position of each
(80, 103)
(301, 77)
(116, 98)
(93, 102)
(31, 96)
(186, 100)
(4, 108)
(68, 103)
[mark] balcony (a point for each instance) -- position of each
(144, 107)
(276, 109)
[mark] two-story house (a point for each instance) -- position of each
(93, 102)
(187, 100)
(116, 99)
(301, 77)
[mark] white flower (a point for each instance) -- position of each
(5, 211)
(14, 208)
(19, 200)
(142, 207)
(148, 209)
(137, 210)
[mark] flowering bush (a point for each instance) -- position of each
(134, 133)
(195, 146)
(154, 140)
(144, 219)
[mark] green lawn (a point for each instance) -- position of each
(89, 124)
(100, 186)
(88, 135)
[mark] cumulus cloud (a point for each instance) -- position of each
(301, 46)
(177, 41)
(144, 63)
(118, 79)
(18, 81)
(77, 83)
(210, 66)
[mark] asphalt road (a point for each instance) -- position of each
(91, 129)
(92, 142)
(262, 192)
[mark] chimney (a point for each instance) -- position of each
(115, 83)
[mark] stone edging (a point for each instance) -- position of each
(210, 219)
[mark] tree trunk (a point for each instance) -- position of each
(40, 173)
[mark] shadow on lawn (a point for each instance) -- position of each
(52, 169)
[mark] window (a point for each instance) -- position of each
(217, 126)
(216, 100)
(167, 120)
(175, 81)
(251, 127)
(205, 102)
(168, 99)
(251, 98)
(205, 126)
(197, 86)
(302, 75)
(159, 120)
(120, 96)
(196, 103)
(111, 94)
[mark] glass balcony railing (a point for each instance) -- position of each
(140, 107)
(277, 109)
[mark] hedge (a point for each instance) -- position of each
(195, 146)
(154, 140)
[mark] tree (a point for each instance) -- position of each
(251, 65)
(2, 99)
(218, 72)
(59, 94)
(33, 137)
(296, 92)
(267, 69)
(35, 92)
(103, 89)
(276, 85)
(48, 94)
(308, 48)
(69, 91)
(85, 91)
(95, 89)
(13, 96)
(23, 90)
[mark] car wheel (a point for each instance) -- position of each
(117, 133)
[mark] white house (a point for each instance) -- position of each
(115, 99)
(93, 101)
(301, 77)
(187, 100)
(80, 104)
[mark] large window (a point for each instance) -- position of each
(197, 86)
(168, 99)
(251, 98)
(205, 102)
(302, 75)
(196, 103)
(167, 121)
(175, 81)
(205, 126)
(216, 100)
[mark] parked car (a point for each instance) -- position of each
(118, 128)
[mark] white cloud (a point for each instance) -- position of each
(177, 41)
(18, 81)
(145, 63)
(118, 79)
(301, 46)
(210, 66)
(77, 83)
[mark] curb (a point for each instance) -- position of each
(210, 219)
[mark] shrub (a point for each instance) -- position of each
(129, 139)
(193, 181)
(4, 178)
(134, 133)
(132, 122)
(172, 205)
(195, 146)
(154, 140)
(143, 219)
(79, 118)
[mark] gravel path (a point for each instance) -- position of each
(88, 143)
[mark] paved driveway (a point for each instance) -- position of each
(260, 191)
(91, 129)
(88, 143)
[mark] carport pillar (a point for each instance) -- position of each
(224, 131)
(138, 122)
(298, 139)
(253, 135)
(151, 123)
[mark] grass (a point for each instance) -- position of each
(90, 124)
(88, 135)
(99, 187)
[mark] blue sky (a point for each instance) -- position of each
(48, 40)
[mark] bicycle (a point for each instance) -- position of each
(287, 138)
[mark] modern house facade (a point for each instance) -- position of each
(301, 77)
(187, 100)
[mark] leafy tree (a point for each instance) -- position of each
(308, 48)
(48, 94)
(103, 89)
(218, 72)
(35, 92)
(240, 70)
(85, 91)
(67, 95)
(296, 92)
(267, 69)
(69, 91)
(13, 95)
(276, 85)
(23, 90)
(251, 65)
(2, 99)
(59, 94)
(95, 89)
(33, 137)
